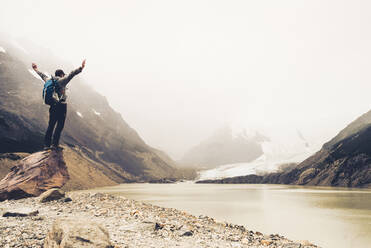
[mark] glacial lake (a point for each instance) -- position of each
(326, 216)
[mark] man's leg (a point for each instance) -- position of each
(51, 125)
(62, 112)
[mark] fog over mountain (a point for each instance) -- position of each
(224, 147)
(100, 148)
(177, 71)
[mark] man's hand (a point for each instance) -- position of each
(83, 64)
(34, 66)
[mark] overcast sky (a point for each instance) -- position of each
(178, 70)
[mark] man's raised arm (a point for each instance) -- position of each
(66, 79)
(42, 75)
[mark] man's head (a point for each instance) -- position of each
(59, 73)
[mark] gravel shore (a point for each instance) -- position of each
(130, 223)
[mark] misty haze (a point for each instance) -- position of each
(255, 113)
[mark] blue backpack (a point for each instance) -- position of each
(50, 95)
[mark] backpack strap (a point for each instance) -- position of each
(56, 88)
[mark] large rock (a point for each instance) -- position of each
(52, 195)
(34, 175)
(22, 212)
(77, 233)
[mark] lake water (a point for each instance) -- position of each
(326, 216)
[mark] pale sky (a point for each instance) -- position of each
(178, 70)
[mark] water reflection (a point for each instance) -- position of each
(330, 217)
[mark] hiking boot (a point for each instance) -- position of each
(57, 148)
(46, 148)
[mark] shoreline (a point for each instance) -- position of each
(130, 223)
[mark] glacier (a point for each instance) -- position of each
(283, 149)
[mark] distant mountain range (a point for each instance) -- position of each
(281, 149)
(102, 148)
(225, 148)
(343, 161)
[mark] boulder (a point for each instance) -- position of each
(22, 212)
(266, 242)
(187, 233)
(159, 226)
(77, 233)
(52, 195)
(292, 245)
(34, 175)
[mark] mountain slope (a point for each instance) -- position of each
(343, 161)
(94, 132)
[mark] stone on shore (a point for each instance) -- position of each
(292, 245)
(266, 242)
(187, 233)
(52, 195)
(77, 234)
(33, 175)
(22, 212)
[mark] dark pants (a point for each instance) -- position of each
(57, 115)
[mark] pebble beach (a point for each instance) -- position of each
(129, 223)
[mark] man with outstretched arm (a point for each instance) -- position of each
(58, 107)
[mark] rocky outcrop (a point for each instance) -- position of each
(9, 160)
(72, 233)
(34, 175)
